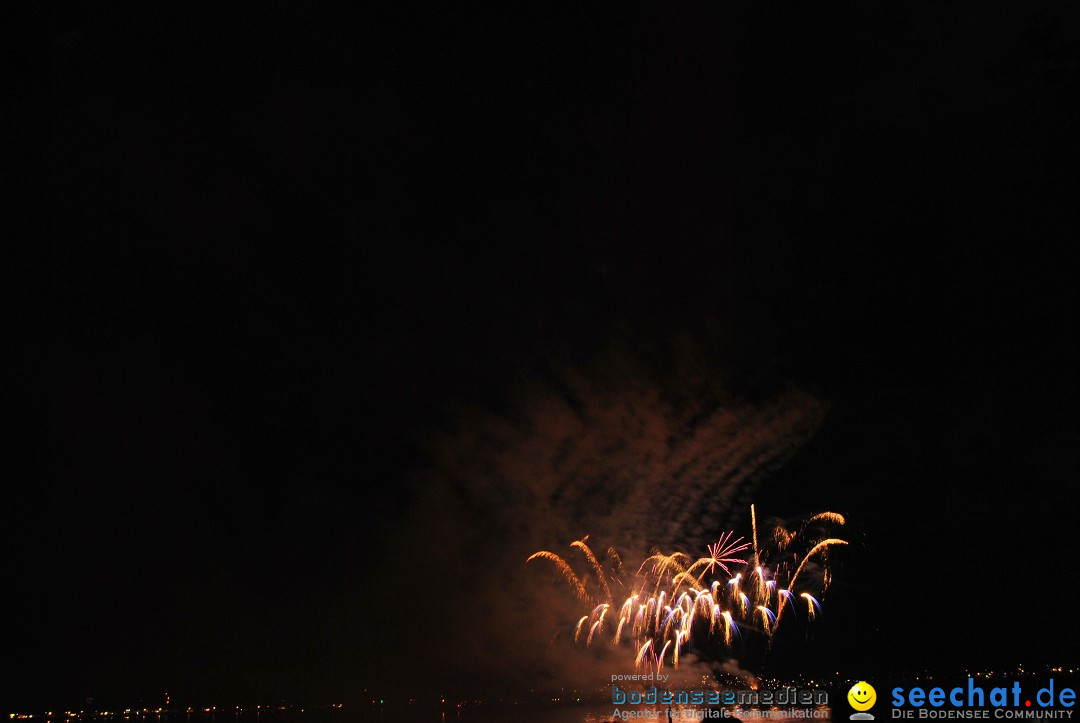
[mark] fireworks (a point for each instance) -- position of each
(671, 607)
(565, 569)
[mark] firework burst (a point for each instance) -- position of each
(671, 607)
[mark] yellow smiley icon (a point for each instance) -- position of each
(862, 696)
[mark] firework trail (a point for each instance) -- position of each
(782, 537)
(567, 572)
(811, 605)
(673, 609)
(819, 547)
(833, 517)
(753, 524)
(615, 562)
(580, 544)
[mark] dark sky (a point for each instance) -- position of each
(323, 283)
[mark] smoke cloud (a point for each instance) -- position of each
(612, 451)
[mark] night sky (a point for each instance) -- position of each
(348, 309)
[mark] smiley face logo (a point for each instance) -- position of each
(862, 696)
